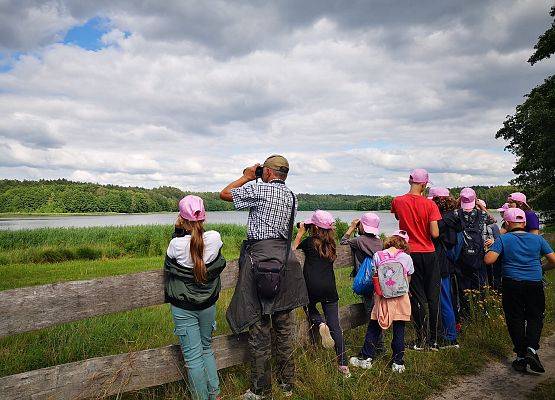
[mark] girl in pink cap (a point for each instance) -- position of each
(364, 246)
(320, 253)
(395, 309)
(192, 268)
(518, 200)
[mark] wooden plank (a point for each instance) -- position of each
(110, 375)
(36, 307)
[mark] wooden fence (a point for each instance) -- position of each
(37, 307)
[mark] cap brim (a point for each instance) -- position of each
(371, 229)
(468, 206)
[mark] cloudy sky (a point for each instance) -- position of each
(187, 93)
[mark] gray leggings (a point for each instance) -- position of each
(331, 313)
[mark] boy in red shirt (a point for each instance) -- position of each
(418, 216)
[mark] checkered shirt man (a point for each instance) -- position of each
(269, 206)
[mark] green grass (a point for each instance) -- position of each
(63, 244)
(544, 391)
(152, 327)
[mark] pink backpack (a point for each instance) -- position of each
(390, 275)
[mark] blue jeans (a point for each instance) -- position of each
(194, 329)
(447, 311)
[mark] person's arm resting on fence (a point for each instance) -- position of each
(249, 174)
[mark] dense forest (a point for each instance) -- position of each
(63, 196)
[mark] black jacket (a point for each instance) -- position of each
(181, 290)
(246, 308)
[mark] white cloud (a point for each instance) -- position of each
(353, 106)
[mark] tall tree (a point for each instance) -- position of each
(531, 132)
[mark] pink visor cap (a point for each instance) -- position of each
(503, 208)
(370, 223)
(521, 197)
(468, 199)
(402, 234)
(322, 219)
(438, 192)
(514, 215)
(191, 208)
(418, 175)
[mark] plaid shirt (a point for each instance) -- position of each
(269, 206)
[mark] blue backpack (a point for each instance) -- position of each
(363, 285)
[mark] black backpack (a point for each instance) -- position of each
(472, 251)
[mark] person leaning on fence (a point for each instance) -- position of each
(270, 283)
(320, 252)
(523, 295)
(363, 246)
(192, 269)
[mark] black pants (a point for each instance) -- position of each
(331, 312)
(470, 279)
(524, 307)
(425, 288)
(374, 335)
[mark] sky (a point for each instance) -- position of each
(188, 93)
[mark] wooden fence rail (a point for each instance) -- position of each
(36, 307)
(31, 308)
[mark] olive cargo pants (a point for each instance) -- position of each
(260, 347)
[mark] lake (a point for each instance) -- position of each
(388, 222)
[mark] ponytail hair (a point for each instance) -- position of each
(196, 248)
(324, 242)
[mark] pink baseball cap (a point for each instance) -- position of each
(321, 219)
(401, 234)
(503, 208)
(438, 192)
(370, 223)
(191, 208)
(514, 215)
(418, 175)
(468, 199)
(518, 197)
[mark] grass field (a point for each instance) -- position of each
(151, 327)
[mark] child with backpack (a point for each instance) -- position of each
(392, 268)
(445, 252)
(470, 268)
(523, 297)
(320, 253)
(363, 247)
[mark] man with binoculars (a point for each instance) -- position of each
(270, 283)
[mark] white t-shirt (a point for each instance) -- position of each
(179, 248)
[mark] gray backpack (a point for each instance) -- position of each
(391, 275)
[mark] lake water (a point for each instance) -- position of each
(388, 222)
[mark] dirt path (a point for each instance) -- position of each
(499, 381)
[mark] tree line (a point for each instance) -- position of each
(63, 196)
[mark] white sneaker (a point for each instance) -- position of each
(327, 340)
(400, 368)
(361, 362)
(251, 396)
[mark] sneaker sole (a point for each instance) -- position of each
(327, 340)
(534, 366)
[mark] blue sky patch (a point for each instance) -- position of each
(88, 35)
